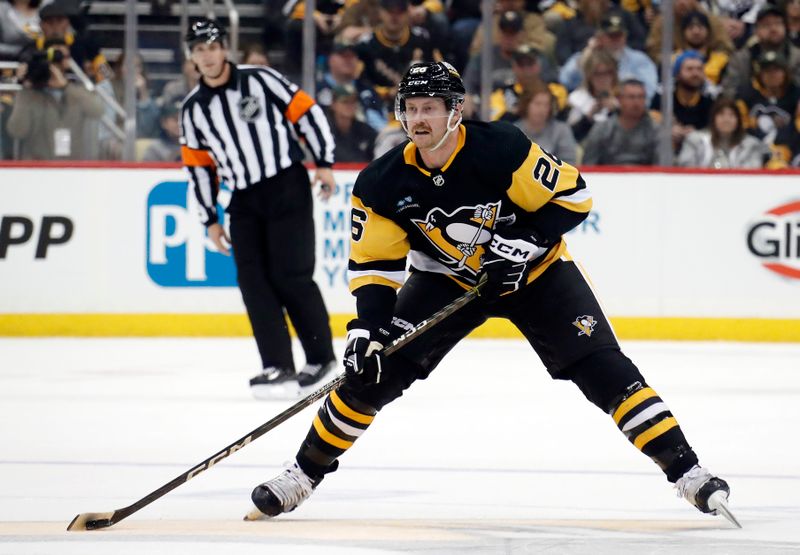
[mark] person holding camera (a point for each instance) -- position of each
(50, 112)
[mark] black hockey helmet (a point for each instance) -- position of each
(205, 31)
(433, 79)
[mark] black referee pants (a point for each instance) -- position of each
(272, 234)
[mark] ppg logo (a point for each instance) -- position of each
(179, 254)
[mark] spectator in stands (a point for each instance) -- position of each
(526, 66)
(19, 27)
(596, 99)
(429, 15)
(147, 111)
(645, 11)
(613, 37)
(254, 54)
(787, 144)
(629, 137)
(725, 144)
(355, 140)
(392, 47)
(180, 87)
(166, 147)
(768, 104)
(56, 28)
(537, 109)
(510, 37)
(737, 17)
(792, 9)
(343, 69)
(50, 114)
(719, 39)
(533, 27)
(465, 17)
(696, 33)
(691, 104)
(770, 35)
(574, 34)
(327, 20)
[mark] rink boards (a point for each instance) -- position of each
(91, 250)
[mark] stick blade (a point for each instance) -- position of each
(90, 521)
(718, 502)
(255, 514)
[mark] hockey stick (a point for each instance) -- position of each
(94, 521)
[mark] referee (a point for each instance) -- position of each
(241, 124)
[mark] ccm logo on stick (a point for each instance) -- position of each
(775, 239)
(18, 230)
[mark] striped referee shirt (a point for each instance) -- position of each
(246, 131)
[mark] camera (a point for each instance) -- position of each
(38, 73)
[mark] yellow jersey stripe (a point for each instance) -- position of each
(348, 412)
(329, 437)
(654, 431)
(632, 401)
(355, 283)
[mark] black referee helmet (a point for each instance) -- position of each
(205, 31)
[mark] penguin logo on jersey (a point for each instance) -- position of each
(585, 324)
(460, 235)
(249, 108)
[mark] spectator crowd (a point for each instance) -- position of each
(579, 77)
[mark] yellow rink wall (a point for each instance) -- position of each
(91, 250)
(232, 325)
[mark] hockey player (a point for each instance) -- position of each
(460, 200)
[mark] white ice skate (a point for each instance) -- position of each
(706, 492)
(282, 494)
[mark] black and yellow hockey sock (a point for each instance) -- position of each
(336, 427)
(647, 422)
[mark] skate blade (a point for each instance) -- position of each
(254, 515)
(718, 502)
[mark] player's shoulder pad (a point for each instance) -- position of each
(375, 183)
(501, 144)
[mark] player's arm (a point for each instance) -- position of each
(200, 169)
(378, 249)
(377, 265)
(552, 193)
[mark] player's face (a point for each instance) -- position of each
(426, 119)
(209, 58)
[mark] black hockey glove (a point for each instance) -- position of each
(508, 261)
(362, 355)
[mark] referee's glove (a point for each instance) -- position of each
(363, 361)
(508, 262)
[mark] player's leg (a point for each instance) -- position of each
(291, 236)
(575, 340)
(350, 410)
(264, 309)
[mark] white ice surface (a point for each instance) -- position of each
(487, 456)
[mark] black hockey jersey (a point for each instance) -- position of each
(442, 220)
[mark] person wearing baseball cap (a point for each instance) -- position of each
(770, 34)
(612, 36)
(771, 99)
